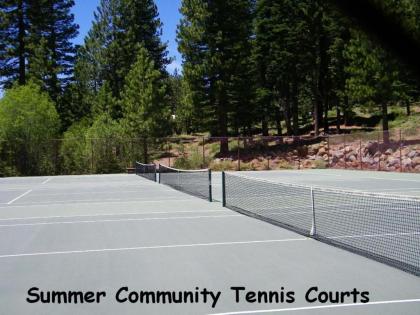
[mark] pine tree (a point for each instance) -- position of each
(120, 27)
(53, 53)
(214, 39)
(144, 101)
(14, 23)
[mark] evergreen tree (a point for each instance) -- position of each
(53, 53)
(120, 27)
(214, 39)
(146, 113)
(14, 23)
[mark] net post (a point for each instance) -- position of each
(210, 187)
(155, 174)
(223, 189)
(313, 228)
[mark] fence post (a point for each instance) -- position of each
(313, 228)
(379, 148)
(401, 165)
(91, 155)
(223, 189)
(210, 188)
(239, 154)
(344, 151)
(360, 154)
(328, 151)
(204, 154)
(169, 153)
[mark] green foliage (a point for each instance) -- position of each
(28, 121)
(104, 139)
(214, 39)
(144, 103)
(114, 41)
(76, 159)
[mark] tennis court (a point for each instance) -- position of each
(104, 232)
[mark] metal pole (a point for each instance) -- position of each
(328, 150)
(401, 165)
(169, 153)
(239, 154)
(345, 155)
(204, 153)
(160, 174)
(379, 148)
(223, 189)
(210, 188)
(313, 229)
(360, 154)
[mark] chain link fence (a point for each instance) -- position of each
(394, 150)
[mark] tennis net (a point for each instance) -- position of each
(382, 227)
(193, 182)
(146, 170)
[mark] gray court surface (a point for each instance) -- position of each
(101, 233)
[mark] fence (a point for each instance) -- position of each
(395, 150)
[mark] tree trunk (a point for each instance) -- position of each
(385, 127)
(278, 121)
(21, 38)
(407, 107)
(264, 126)
(338, 119)
(326, 125)
(295, 109)
(145, 151)
(222, 119)
(346, 111)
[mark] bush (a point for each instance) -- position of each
(320, 164)
(189, 161)
(28, 122)
(104, 139)
(74, 154)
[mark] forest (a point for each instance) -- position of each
(249, 68)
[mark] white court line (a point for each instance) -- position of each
(318, 307)
(18, 197)
(46, 181)
(87, 251)
(123, 220)
(104, 201)
(109, 214)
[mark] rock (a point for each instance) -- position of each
(406, 162)
(377, 154)
(352, 158)
(338, 154)
(412, 154)
(389, 152)
(348, 149)
(322, 151)
(415, 162)
(367, 160)
(393, 162)
(325, 157)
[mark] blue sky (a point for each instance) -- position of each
(169, 15)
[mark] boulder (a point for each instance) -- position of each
(415, 162)
(412, 154)
(406, 162)
(393, 162)
(322, 151)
